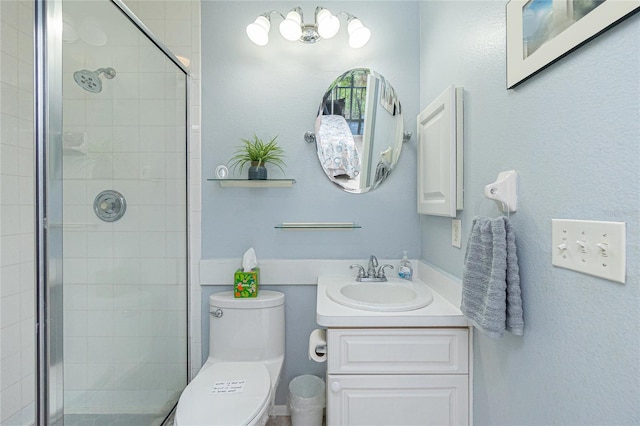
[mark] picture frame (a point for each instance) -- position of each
(387, 97)
(540, 32)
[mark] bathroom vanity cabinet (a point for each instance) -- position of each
(398, 376)
(395, 367)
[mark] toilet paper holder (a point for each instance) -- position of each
(318, 345)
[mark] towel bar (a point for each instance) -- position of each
(310, 137)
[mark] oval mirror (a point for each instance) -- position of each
(359, 130)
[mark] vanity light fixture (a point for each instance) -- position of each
(293, 28)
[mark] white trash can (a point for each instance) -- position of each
(306, 400)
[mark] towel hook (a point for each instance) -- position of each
(504, 191)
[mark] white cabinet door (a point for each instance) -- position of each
(440, 155)
(392, 400)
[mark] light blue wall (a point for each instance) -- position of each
(276, 90)
(572, 132)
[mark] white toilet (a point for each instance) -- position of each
(237, 384)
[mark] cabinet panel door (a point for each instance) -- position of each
(440, 155)
(398, 351)
(379, 400)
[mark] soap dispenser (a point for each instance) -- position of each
(405, 270)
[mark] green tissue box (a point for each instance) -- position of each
(245, 284)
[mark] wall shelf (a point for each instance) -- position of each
(246, 183)
(310, 226)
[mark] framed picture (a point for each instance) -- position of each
(539, 32)
(387, 96)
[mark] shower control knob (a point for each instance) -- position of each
(336, 386)
(109, 205)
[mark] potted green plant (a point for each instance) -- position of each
(258, 153)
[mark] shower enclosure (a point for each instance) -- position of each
(112, 205)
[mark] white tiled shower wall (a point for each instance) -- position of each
(175, 22)
(124, 282)
(17, 340)
(120, 142)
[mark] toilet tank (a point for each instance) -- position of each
(246, 329)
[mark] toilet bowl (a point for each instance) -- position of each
(237, 384)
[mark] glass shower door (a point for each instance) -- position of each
(124, 157)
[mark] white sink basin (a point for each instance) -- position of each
(395, 295)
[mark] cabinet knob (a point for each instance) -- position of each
(335, 386)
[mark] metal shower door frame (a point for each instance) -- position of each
(48, 210)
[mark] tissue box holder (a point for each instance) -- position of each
(245, 284)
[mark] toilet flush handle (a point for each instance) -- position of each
(217, 313)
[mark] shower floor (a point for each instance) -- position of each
(112, 419)
(140, 420)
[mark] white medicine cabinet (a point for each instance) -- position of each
(440, 156)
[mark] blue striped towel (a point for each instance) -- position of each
(491, 296)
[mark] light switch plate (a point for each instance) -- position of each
(591, 247)
(456, 233)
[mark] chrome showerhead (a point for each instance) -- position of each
(90, 80)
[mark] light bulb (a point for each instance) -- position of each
(290, 28)
(258, 30)
(328, 24)
(359, 35)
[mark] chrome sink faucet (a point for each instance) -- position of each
(373, 264)
(371, 274)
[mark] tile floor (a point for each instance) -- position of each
(279, 421)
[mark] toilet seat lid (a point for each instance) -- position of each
(224, 393)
